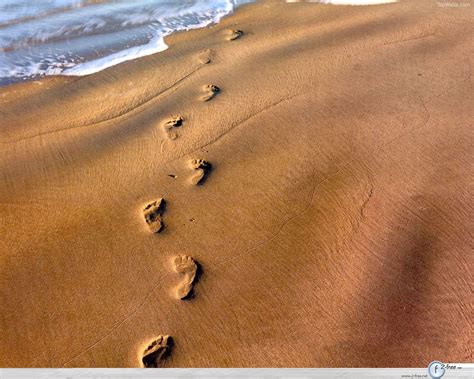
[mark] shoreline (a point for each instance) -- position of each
(91, 62)
(90, 67)
(303, 184)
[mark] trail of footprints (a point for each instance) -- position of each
(185, 266)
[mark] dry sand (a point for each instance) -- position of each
(331, 224)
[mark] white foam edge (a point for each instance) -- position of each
(155, 45)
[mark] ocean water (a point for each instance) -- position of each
(80, 37)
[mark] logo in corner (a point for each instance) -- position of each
(436, 369)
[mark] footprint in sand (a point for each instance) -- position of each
(157, 351)
(187, 268)
(153, 213)
(210, 90)
(202, 169)
(233, 34)
(171, 124)
(205, 56)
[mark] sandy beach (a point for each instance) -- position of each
(291, 187)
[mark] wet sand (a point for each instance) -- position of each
(312, 209)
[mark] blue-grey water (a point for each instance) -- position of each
(80, 37)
